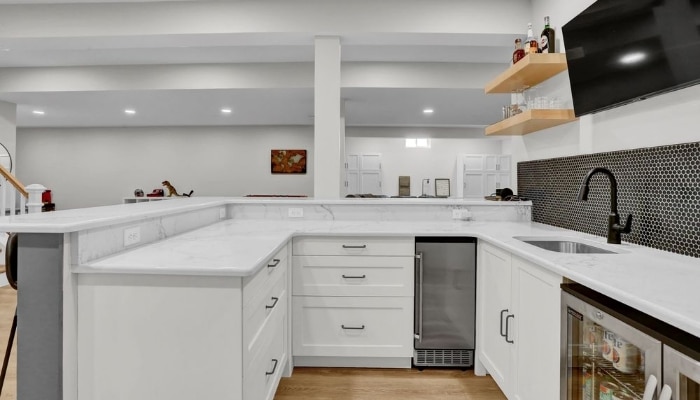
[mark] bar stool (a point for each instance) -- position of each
(11, 273)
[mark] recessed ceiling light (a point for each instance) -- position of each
(226, 111)
(130, 111)
(38, 112)
(428, 111)
(633, 58)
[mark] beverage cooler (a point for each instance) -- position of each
(614, 352)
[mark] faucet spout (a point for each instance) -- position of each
(614, 227)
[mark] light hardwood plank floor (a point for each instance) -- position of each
(8, 302)
(386, 384)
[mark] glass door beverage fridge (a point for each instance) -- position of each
(606, 356)
(682, 373)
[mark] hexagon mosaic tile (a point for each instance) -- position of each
(659, 186)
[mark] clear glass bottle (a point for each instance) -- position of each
(519, 52)
(532, 45)
(547, 38)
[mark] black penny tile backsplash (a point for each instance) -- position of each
(659, 186)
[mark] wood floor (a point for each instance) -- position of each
(386, 384)
(8, 302)
(321, 383)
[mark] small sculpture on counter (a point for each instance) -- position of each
(138, 193)
(156, 193)
(173, 192)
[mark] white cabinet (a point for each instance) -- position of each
(353, 301)
(518, 331)
(479, 175)
(145, 337)
(363, 174)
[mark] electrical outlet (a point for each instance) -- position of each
(132, 236)
(456, 214)
(461, 214)
(296, 213)
(222, 213)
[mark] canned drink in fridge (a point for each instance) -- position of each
(625, 356)
(607, 390)
(587, 381)
(608, 345)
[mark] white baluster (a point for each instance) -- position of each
(34, 203)
(22, 205)
(12, 199)
(4, 184)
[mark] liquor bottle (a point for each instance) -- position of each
(531, 44)
(519, 53)
(547, 38)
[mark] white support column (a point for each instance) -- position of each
(327, 122)
(8, 129)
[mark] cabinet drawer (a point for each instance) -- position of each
(263, 306)
(352, 276)
(268, 359)
(353, 326)
(261, 281)
(353, 246)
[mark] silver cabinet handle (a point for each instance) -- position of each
(357, 328)
(274, 303)
(509, 316)
(500, 329)
(275, 262)
(354, 277)
(274, 367)
(347, 246)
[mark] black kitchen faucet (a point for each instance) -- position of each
(614, 227)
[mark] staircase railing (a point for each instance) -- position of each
(11, 189)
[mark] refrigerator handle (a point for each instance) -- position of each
(419, 293)
(650, 389)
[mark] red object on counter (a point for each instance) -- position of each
(46, 196)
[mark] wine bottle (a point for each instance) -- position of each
(531, 44)
(547, 38)
(519, 53)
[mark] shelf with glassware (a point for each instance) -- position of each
(531, 70)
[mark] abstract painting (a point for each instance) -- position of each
(288, 161)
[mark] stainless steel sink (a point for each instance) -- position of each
(565, 245)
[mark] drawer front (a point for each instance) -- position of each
(353, 246)
(352, 276)
(268, 358)
(252, 285)
(262, 308)
(353, 326)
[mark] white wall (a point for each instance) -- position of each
(435, 162)
(99, 166)
(670, 118)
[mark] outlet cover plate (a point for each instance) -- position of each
(132, 236)
(296, 213)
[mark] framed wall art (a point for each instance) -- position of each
(288, 161)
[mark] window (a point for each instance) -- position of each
(422, 143)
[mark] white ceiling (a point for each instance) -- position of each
(364, 106)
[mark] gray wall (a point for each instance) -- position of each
(99, 166)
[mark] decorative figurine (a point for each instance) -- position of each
(173, 192)
(138, 193)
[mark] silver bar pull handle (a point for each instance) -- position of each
(274, 367)
(354, 277)
(419, 256)
(500, 329)
(275, 262)
(348, 246)
(357, 328)
(275, 300)
(509, 316)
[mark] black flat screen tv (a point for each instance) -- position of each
(620, 51)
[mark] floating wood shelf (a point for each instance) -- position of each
(531, 70)
(530, 121)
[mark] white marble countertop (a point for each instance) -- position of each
(658, 283)
(86, 218)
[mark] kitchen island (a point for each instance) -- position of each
(219, 244)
